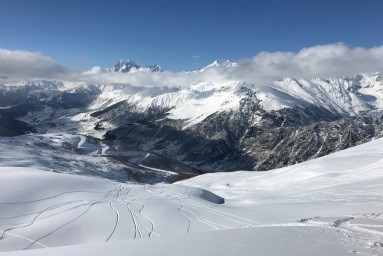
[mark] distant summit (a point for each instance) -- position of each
(154, 67)
(124, 66)
(220, 63)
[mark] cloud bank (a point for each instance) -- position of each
(322, 61)
(28, 65)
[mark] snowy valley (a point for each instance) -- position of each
(209, 126)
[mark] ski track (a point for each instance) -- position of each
(140, 222)
(136, 228)
(151, 222)
(26, 238)
(142, 206)
(64, 225)
(31, 213)
(178, 209)
(27, 225)
(117, 221)
(54, 196)
(37, 218)
(190, 209)
(215, 211)
(140, 211)
(194, 215)
(183, 207)
(199, 214)
(124, 200)
(118, 191)
(57, 213)
(344, 224)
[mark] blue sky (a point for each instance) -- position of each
(81, 34)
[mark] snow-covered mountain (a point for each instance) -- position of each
(225, 125)
(118, 138)
(125, 66)
(219, 63)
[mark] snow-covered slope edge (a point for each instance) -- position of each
(352, 170)
(268, 241)
(328, 206)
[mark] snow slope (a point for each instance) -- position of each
(340, 174)
(346, 96)
(268, 241)
(48, 209)
(193, 103)
(328, 206)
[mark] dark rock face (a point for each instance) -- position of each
(283, 146)
(228, 141)
(186, 147)
(12, 127)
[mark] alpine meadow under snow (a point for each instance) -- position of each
(279, 154)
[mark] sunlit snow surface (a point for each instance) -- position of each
(329, 206)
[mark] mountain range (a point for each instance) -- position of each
(79, 156)
(208, 126)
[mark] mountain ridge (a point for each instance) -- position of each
(228, 125)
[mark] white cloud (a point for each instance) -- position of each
(324, 61)
(333, 60)
(25, 65)
(93, 71)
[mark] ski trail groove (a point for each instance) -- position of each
(205, 221)
(28, 239)
(62, 226)
(124, 200)
(218, 212)
(31, 213)
(151, 222)
(209, 223)
(57, 213)
(140, 211)
(178, 209)
(150, 230)
(202, 220)
(27, 225)
(117, 221)
(54, 196)
(136, 228)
